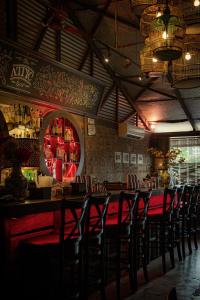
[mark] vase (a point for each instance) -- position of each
(165, 178)
(16, 183)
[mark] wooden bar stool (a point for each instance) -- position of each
(162, 221)
(94, 245)
(52, 264)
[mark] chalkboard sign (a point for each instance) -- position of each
(27, 73)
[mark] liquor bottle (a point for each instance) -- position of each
(20, 114)
(16, 115)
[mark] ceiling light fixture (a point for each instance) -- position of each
(196, 3)
(188, 56)
(159, 13)
(106, 59)
(166, 35)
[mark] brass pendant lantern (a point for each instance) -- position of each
(186, 70)
(152, 12)
(191, 12)
(150, 65)
(166, 36)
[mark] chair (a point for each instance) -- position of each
(52, 264)
(142, 256)
(162, 225)
(121, 238)
(188, 216)
(124, 232)
(133, 182)
(94, 244)
(85, 179)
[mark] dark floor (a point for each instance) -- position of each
(185, 277)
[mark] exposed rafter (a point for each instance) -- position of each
(185, 109)
(105, 98)
(11, 19)
(94, 29)
(98, 53)
(133, 23)
(148, 88)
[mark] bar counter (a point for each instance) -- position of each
(20, 220)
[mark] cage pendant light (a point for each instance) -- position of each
(152, 12)
(186, 70)
(166, 36)
(149, 64)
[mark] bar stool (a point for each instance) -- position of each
(142, 233)
(94, 244)
(121, 238)
(162, 225)
(185, 218)
(52, 264)
(124, 235)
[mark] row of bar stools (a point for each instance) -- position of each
(73, 258)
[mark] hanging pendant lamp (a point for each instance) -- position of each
(166, 36)
(150, 65)
(186, 70)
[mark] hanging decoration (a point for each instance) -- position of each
(186, 70)
(166, 36)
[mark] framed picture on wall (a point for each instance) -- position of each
(140, 159)
(91, 127)
(126, 158)
(133, 160)
(118, 157)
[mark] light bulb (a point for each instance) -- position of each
(140, 78)
(188, 56)
(106, 59)
(196, 3)
(164, 35)
(154, 59)
(158, 14)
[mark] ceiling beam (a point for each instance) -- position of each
(133, 23)
(117, 105)
(185, 109)
(170, 121)
(11, 19)
(154, 100)
(105, 98)
(148, 88)
(47, 20)
(98, 53)
(94, 29)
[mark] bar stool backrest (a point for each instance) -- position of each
(132, 182)
(73, 214)
(195, 199)
(128, 208)
(187, 198)
(169, 199)
(144, 198)
(97, 212)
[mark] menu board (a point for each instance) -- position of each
(27, 73)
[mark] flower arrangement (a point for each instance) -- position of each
(170, 158)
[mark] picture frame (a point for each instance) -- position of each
(140, 159)
(133, 159)
(125, 158)
(118, 157)
(91, 129)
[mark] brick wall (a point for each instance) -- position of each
(100, 154)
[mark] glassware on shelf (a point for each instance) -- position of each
(62, 146)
